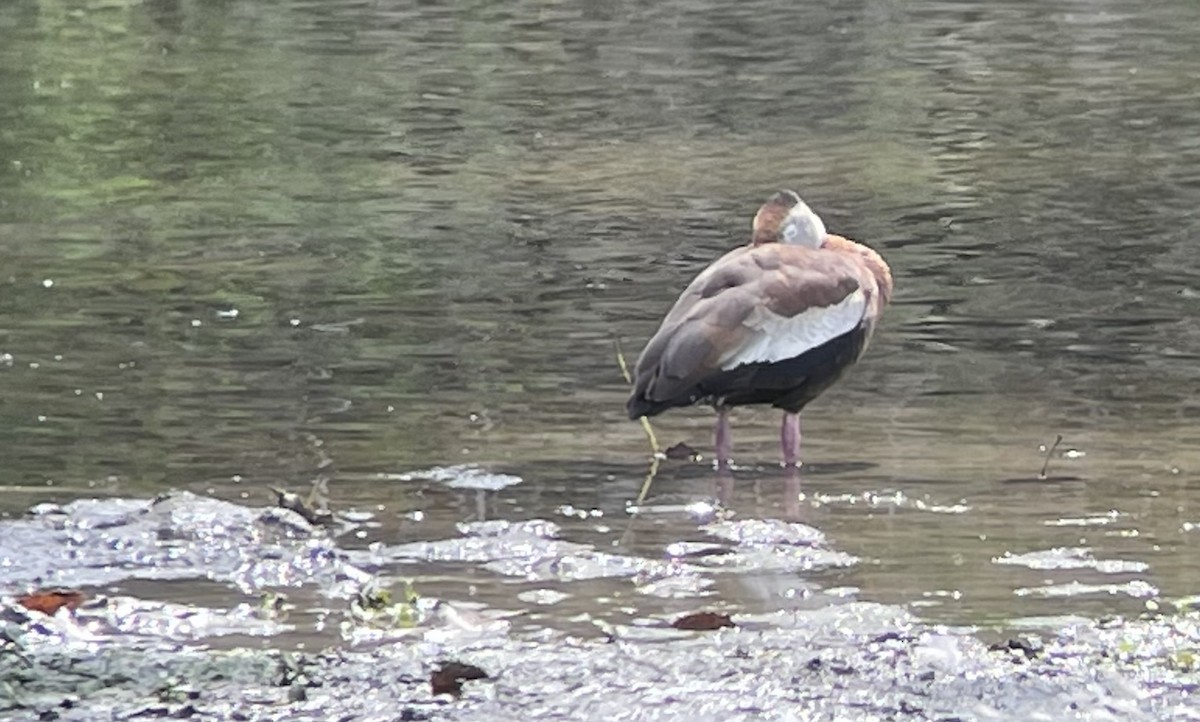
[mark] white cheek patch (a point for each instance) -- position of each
(777, 338)
(802, 227)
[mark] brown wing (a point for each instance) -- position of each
(725, 312)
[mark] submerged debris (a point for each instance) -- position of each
(374, 606)
(449, 676)
(703, 622)
(1049, 455)
(306, 508)
(292, 670)
(273, 606)
(1020, 648)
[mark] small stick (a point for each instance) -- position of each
(654, 447)
(649, 478)
(636, 508)
(1049, 453)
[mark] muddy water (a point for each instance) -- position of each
(247, 246)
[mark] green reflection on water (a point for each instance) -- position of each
(432, 222)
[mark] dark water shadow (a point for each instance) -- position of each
(1056, 479)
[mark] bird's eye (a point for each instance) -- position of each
(790, 231)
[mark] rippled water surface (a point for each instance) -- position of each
(252, 244)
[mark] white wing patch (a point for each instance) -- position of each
(777, 338)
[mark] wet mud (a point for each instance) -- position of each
(289, 621)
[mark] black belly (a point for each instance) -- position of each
(789, 384)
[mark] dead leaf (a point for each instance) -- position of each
(49, 601)
(449, 676)
(682, 451)
(703, 622)
(1019, 648)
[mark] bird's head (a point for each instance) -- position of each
(787, 219)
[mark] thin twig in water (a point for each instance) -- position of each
(636, 508)
(656, 454)
(1049, 454)
(649, 478)
(654, 447)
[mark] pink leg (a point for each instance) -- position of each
(723, 438)
(789, 440)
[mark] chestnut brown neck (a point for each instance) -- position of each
(763, 236)
(768, 220)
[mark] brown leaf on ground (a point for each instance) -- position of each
(449, 676)
(703, 622)
(681, 451)
(1019, 648)
(49, 601)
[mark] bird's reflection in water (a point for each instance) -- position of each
(759, 484)
(791, 494)
(724, 487)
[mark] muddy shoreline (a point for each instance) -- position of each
(287, 624)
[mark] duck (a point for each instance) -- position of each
(774, 322)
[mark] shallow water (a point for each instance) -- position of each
(248, 246)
